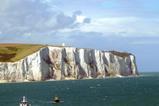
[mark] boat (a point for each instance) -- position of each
(24, 102)
(56, 99)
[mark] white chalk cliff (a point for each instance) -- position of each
(61, 63)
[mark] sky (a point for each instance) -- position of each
(122, 25)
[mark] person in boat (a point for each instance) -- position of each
(24, 102)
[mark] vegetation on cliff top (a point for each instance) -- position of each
(14, 52)
(121, 54)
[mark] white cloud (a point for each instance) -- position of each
(35, 17)
(39, 19)
(80, 19)
(124, 26)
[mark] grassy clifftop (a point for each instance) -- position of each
(15, 52)
(121, 54)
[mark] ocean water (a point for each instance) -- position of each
(130, 91)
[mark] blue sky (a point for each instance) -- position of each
(123, 25)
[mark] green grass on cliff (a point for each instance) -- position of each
(15, 52)
(121, 54)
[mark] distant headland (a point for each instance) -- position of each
(34, 62)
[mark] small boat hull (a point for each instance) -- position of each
(22, 104)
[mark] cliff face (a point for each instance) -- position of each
(60, 63)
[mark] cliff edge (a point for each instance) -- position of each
(62, 63)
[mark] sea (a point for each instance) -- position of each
(127, 91)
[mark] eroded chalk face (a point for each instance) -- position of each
(62, 63)
(55, 54)
(69, 67)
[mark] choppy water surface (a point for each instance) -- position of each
(131, 91)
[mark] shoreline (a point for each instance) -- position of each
(69, 79)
